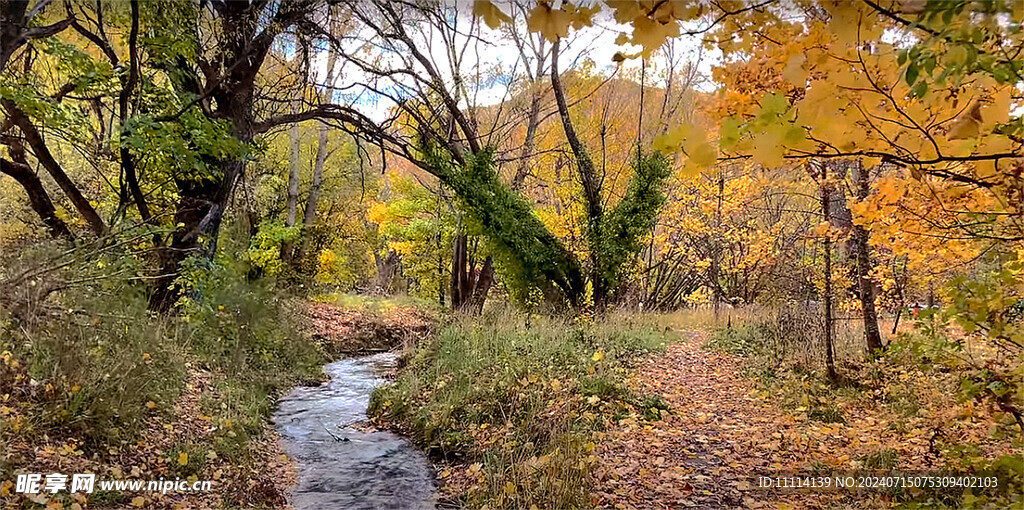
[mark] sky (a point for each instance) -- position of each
(496, 57)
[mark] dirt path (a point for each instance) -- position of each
(702, 449)
(722, 431)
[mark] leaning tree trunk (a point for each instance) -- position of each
(37, 197)
(591, 187)
(42, 153)
(872, 336)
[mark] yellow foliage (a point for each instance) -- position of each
(551, 23)
(491, 14)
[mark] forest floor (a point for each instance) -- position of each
(724, 429)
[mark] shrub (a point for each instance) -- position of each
(246, 332)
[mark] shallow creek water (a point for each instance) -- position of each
(341, 467)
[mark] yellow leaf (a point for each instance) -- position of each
(999, 111)
(556, 385)
(491, 14)
(967, 124)
(704, 155)
(794, 72)
(768, 150)
(182, 458)
(651, 34)
(598, 355)
(510, 489)
(151, 404)
(138, 501)
(551, 23)
(581, 16)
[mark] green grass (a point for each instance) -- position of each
(376, 304)
(520, 401)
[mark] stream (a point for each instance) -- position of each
(343, 468)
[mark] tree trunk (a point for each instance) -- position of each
(243, 45)
(440, 256)
(309, 215)
(532, 123)
(37, 197)
(826, 302)
(326, 96)
(198, 214)
(591, 186)
(128, 164)
(46, 159)
(459, 277)
(482, 286)
(872, 336)
(469, 285)
(287, 249)
(388, 267)
(716, 257)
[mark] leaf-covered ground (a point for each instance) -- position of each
(168, 448)
(349, 329)
(723, 429)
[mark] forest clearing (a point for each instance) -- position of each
(538, 254)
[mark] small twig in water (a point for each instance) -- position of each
(332, 434)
